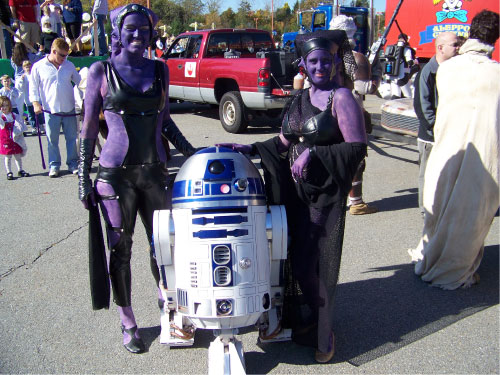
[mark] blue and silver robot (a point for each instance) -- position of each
(220, 251)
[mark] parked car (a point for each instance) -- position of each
(398, 116)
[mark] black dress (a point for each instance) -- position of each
(316, 215)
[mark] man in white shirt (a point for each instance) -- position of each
(51, 91)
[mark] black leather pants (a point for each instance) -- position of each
(138, 188)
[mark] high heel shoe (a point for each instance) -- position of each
(135, 345)
(321, 357)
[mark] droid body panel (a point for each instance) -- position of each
(223, 278)
(220, 251)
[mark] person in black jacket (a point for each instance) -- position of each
(426, 100)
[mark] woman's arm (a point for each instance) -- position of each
(283, 143)
(169, 130)
(89, 133)
(93, 102)
(349, 116)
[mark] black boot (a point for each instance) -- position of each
(135, 345)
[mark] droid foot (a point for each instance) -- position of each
(277, 336)
(226, 357)
(174, 336)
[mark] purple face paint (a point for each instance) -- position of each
(135, 33)
(319, 65)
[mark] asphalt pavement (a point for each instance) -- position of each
(387, 321)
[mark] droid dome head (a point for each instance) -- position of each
(215, 177)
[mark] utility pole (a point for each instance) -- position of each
(272, 17)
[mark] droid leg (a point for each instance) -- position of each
(269, 324)
(176, 330)
(225, 354)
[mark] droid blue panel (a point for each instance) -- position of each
(219, 169)
(179, 189)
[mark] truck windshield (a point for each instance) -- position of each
(178, 47)
(319, 20)
(187, 47)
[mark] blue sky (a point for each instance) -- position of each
(379, 5)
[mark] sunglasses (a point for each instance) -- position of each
(61, 54)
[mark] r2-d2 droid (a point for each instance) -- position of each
(220, 251)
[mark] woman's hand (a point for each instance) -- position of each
(89, 200)
(300, 164)
(244, 149)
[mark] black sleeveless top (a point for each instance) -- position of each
(305, 123)
(139, 112)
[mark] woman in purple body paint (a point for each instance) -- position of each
(309, 168)
(132, 91)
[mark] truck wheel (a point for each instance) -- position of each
(232, 112)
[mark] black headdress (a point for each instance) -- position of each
(327, 40)
(117, 17)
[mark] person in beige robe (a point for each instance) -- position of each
(461, 192)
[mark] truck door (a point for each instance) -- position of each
(183, 64)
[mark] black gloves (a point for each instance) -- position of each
(85, 188)
(172, 133)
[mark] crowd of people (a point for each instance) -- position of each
(38, 24)
(323, 141)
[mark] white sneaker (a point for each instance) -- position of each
(53, 172)
(73, 170)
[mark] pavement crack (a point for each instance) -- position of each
(40, 254)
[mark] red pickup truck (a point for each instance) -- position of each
(239, 70)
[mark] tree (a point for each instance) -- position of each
(170, 14)
(192, 9)
(228, 18)
(213, 6)
(243, 17)
(308, 4)
(212, 17)
(379, 24)
(262, 19)
(112, 4)
(362, 3)
(283, 14)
